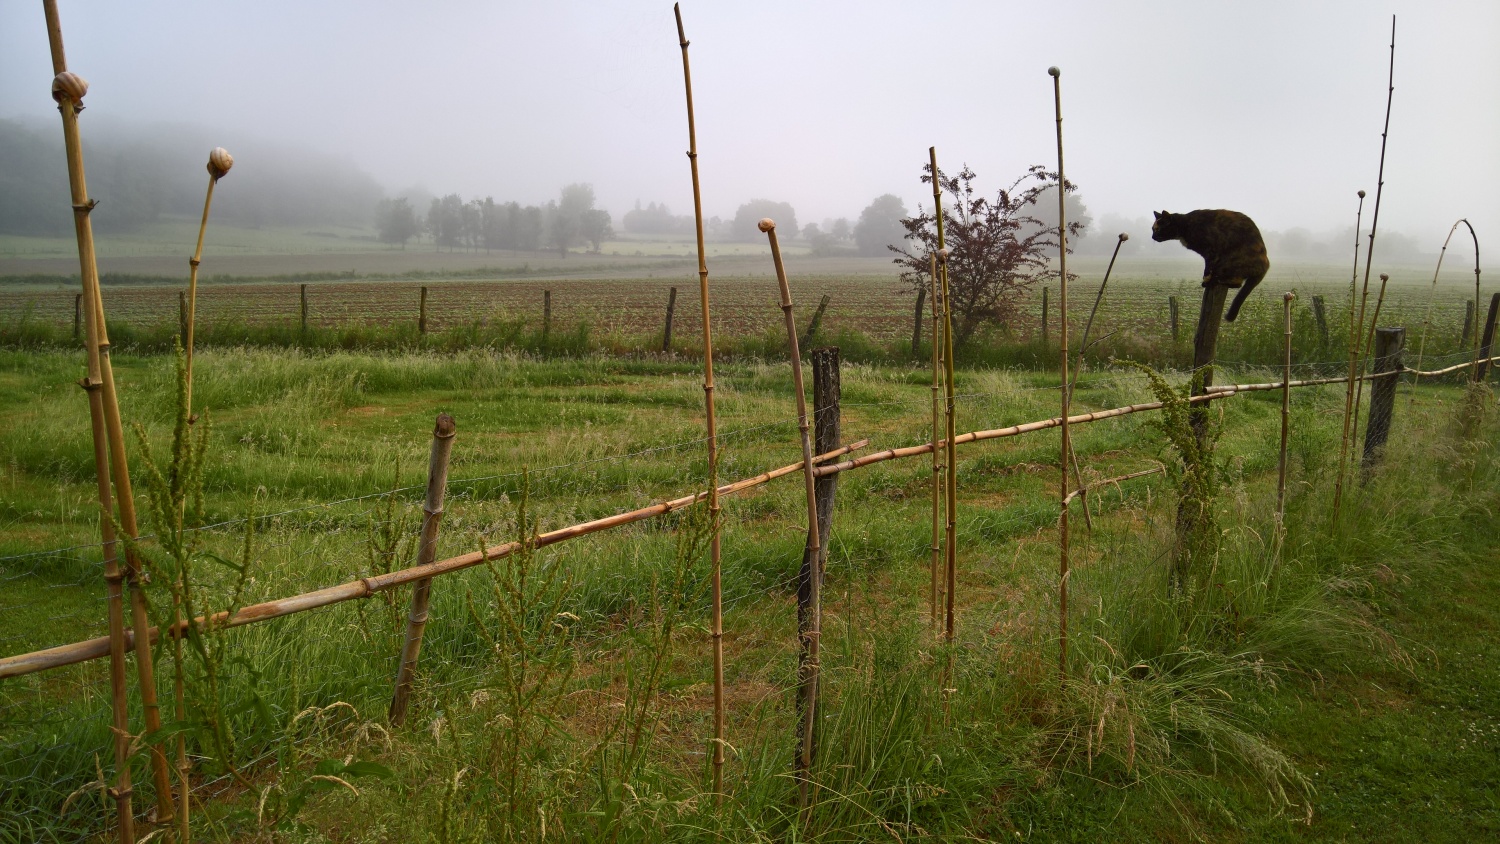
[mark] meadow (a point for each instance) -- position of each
(1304, 689)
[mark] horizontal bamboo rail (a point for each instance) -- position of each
(77, 652)
(72, 654)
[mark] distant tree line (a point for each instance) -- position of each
(561, 224)
(140, 176)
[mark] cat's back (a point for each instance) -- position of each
(1225, 230)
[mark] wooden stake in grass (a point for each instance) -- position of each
(1365, 347)
(421, 595)
(219, 162)
(808, 664)
(950, 538)
(1355, 331)
(1062, 333)
(936, 593)
(1286, 410)
(716, 587)
(68, 90)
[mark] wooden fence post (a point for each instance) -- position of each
(77, 314)
(666, 334)
(1205, 346)
(1046, 317)
(916, 324)
(1386, 369)
(546, 314)
(1320, 316)
(1174, 317)
(1487, 345)
(422, 313)
(826, 393)
(1468, 324)
(303, 295)
(817, 321)
(432, 513)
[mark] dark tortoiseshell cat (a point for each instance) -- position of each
(1233, 253)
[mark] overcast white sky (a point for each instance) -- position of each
(1268, 107)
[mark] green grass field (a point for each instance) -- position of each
(1340, 689)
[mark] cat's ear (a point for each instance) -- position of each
(1158, 214)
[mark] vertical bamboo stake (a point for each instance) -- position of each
(807, 685)
(1067, 443)
(1475, 238)
(950, 535)
(1356, 326)
(716, 587)
(422, 312)
(937, 449)
(68, 90)
(432, 515)
(1083, 348)
(1431, 295)
(1338, 491)
(1286, 410)
(219, 162)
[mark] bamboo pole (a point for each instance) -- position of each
(936, 592)
(219, 162)
(950, 535)
(1083, 348)
(1355, 327)
(421, 594)
(30, 663)
(1286, 410)
(1359, 392)
(808, 673)
(1062, 333)
(1475, 238)
(68, 91)
(1432, 294)
(1338, 490)
(715, 551)
(1155, 470)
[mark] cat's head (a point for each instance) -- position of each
(1164, 227)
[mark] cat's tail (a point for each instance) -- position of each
(1239, 299)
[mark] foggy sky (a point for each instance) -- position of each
(1271, 108)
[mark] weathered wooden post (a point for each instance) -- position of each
(1046, 317)
(1320, 316)
(1487, 345)
(826, 394)
(1384, 378)
(432, 514)
(816, 322)
(422, 313)
(77, 314)
(916, 321)
(666, 333)
(1174, 317)
(302, 293)
(1468, 324)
